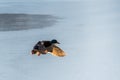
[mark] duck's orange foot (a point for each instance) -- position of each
(38, 53)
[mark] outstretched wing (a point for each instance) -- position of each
(56, 51)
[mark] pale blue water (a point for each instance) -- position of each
(88, 32)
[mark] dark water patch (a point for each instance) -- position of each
(14, 22)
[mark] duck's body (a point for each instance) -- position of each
(43, 47)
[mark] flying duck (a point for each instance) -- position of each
(44, 47)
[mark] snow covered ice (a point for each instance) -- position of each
(87, 30)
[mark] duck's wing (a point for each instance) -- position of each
(56, 51)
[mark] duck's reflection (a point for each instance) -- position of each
(12, 22)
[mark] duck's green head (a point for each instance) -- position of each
(54, 41)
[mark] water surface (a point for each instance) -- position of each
(12, 22)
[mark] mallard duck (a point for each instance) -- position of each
(44, 47)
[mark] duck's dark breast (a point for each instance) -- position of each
(47, 44)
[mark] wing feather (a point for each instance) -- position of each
(56, 51)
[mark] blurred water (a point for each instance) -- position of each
(12, 22)
(88, 32)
